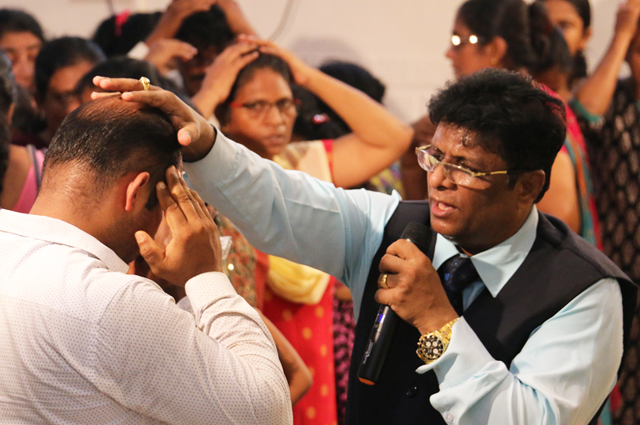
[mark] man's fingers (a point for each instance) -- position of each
(173, 213)
(99, 94)
(151, 253)
(390, 264)
(188, 133)
(120, 84)
(181, 194)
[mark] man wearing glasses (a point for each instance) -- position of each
(534, 335)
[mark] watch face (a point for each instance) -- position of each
(433, 347)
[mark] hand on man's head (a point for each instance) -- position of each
(195, 134)
(195, 244)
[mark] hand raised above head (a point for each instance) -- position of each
(414, 292)
(194, 247)
(195, 134)
(221, 75)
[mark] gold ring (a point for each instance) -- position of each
(145, 83)
(382, 281)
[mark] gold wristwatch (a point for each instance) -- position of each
(433, 345)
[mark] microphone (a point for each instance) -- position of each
(387, 320)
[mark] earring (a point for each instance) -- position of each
(494, 61)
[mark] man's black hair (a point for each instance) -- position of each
(508, 114)
(263, 61)
(205, 29)
(112, 138)
(60, 53)
(12, 20)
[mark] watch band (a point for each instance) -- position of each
(432, 346)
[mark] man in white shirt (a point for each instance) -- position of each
(83, 342)
(537, 335)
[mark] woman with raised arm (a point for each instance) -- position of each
(512, 35)
(248, 89)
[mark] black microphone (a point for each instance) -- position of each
(387, 321)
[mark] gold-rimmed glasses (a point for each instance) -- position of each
(457, 174)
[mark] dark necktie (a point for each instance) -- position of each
(456, 274)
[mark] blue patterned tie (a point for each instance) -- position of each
(456, 274)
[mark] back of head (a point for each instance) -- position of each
(355, 76)
(508, 114)
(579, 65)
(263, 61)
(525, 28)
(206, 29)
(60, 53)
(558, 62)
(316, 120)
(8, 93)
(12, 20)
(118, 34)
(105, 139)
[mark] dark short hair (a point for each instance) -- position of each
(12, 20)
(205, 29)
(60, 53)
(508, 114)
(525, 28)
(115, 38)
(113, 138)
(263, 61)
(8, 94)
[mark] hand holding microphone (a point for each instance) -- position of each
(387, 320)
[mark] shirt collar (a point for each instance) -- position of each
(495, 265)
(59, 232)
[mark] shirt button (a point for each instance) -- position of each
(412, 392)
(449, 418)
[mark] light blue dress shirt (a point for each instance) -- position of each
(562, 375)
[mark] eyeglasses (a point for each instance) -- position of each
(456, 174)
(261, 108)
(458, 41)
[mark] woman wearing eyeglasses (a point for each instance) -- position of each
(510, 34)
(248, 88)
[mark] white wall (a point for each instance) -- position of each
(402, 42)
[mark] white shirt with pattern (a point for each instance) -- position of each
(81, 342)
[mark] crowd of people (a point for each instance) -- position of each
(128, 297)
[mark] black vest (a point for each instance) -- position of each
(559, 267)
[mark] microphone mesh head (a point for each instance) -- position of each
(420, 235)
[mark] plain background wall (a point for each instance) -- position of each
(402, 42)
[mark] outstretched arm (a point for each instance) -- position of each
(378, 138)
(596, 92)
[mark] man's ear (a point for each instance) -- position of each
(530, 184)
(135, 189)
